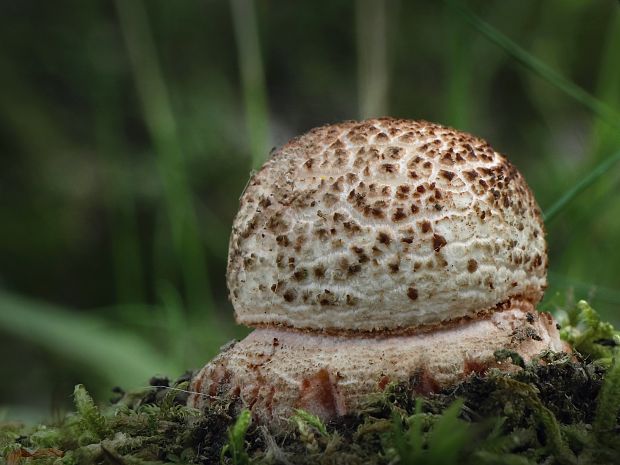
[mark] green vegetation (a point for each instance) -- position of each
(583, 329)
(558, 409)
(235, 447)
(130, 129)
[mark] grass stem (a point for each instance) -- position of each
(252, 78)
(372, 67)
(458, 70)
(585, 182)
(161, 125)
(538, 67)
(118, 355)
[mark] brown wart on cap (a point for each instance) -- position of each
(379, 248)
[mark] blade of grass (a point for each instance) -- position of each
(372, 67)
(236, 447)
(30, 116)
(552, 212)
(599, 293)
(119, 195)
(449, 437)
(416, 436)
(175, 322)
(601, 109)
(604, 138)
(160, 122)
(458, 70)
(252, 78)
(119, 356)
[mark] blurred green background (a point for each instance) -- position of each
(128, 130)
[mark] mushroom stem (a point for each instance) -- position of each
(274, 371)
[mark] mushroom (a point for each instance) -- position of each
(367, 253)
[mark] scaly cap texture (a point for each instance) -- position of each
(384, 224)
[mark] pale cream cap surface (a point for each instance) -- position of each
(383, 224)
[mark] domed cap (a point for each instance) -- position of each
(384, 224)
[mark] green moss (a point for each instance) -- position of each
(583, 329)
(558, 409)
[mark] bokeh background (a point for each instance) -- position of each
(128, 130)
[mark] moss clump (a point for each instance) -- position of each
(557, 409)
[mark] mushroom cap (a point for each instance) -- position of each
(275, 370)
(383, 224)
